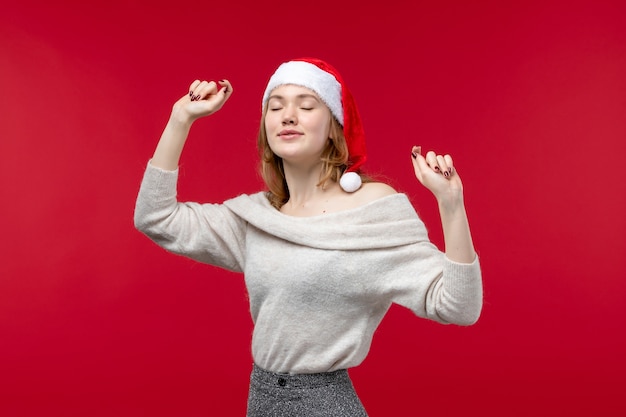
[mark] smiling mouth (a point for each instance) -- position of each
(289, 134)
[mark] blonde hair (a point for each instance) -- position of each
(334, 160)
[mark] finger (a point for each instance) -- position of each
(220, 97)
(449, 163)
(419, 163)
(433, 163)
(227, 88)
(443, 166)
(200, 90)
(192, 87)
(416, 150)
(205, 89)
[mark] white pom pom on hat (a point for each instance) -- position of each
(327, 83)
(350, 181)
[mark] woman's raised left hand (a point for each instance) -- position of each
(437, 173)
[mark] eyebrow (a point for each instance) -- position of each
(299, 96)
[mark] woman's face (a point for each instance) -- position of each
(297, 124)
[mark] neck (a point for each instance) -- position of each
(303, 183)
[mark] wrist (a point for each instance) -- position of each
(180, 118)
(451, 202)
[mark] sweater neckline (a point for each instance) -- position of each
(386, 222)
(314, 217)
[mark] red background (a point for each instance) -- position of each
(530, 99)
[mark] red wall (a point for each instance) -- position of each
(95, 320)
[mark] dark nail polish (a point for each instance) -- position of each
(225, 90)
(191, 94)
(437, 169)
(414, 155)
(446, 174)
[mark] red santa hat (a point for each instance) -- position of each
(327, 83)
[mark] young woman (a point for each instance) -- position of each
(323, 253)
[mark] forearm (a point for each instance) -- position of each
(170, 147)
(459, 246)
(203, 99)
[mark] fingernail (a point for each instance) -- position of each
(225, 90)
(446, 174)
(221, 81)
(414, 155)
(191, 94)
(437, 168)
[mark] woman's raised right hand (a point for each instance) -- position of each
(204, 98)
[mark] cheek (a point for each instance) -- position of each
(269, 127)
(324, 128)
(268, 122)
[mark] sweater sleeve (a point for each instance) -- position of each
(456, 296)
(434, 287)
(208, 233)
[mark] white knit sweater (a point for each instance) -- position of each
(318, 286)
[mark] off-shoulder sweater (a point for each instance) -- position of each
(318, 286)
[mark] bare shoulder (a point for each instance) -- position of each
(372, 191)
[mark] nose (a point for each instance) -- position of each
(289, 116)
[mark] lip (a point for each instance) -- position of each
(289, 134)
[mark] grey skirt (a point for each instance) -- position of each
(312, 395)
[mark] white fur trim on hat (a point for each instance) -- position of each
(312, 77)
